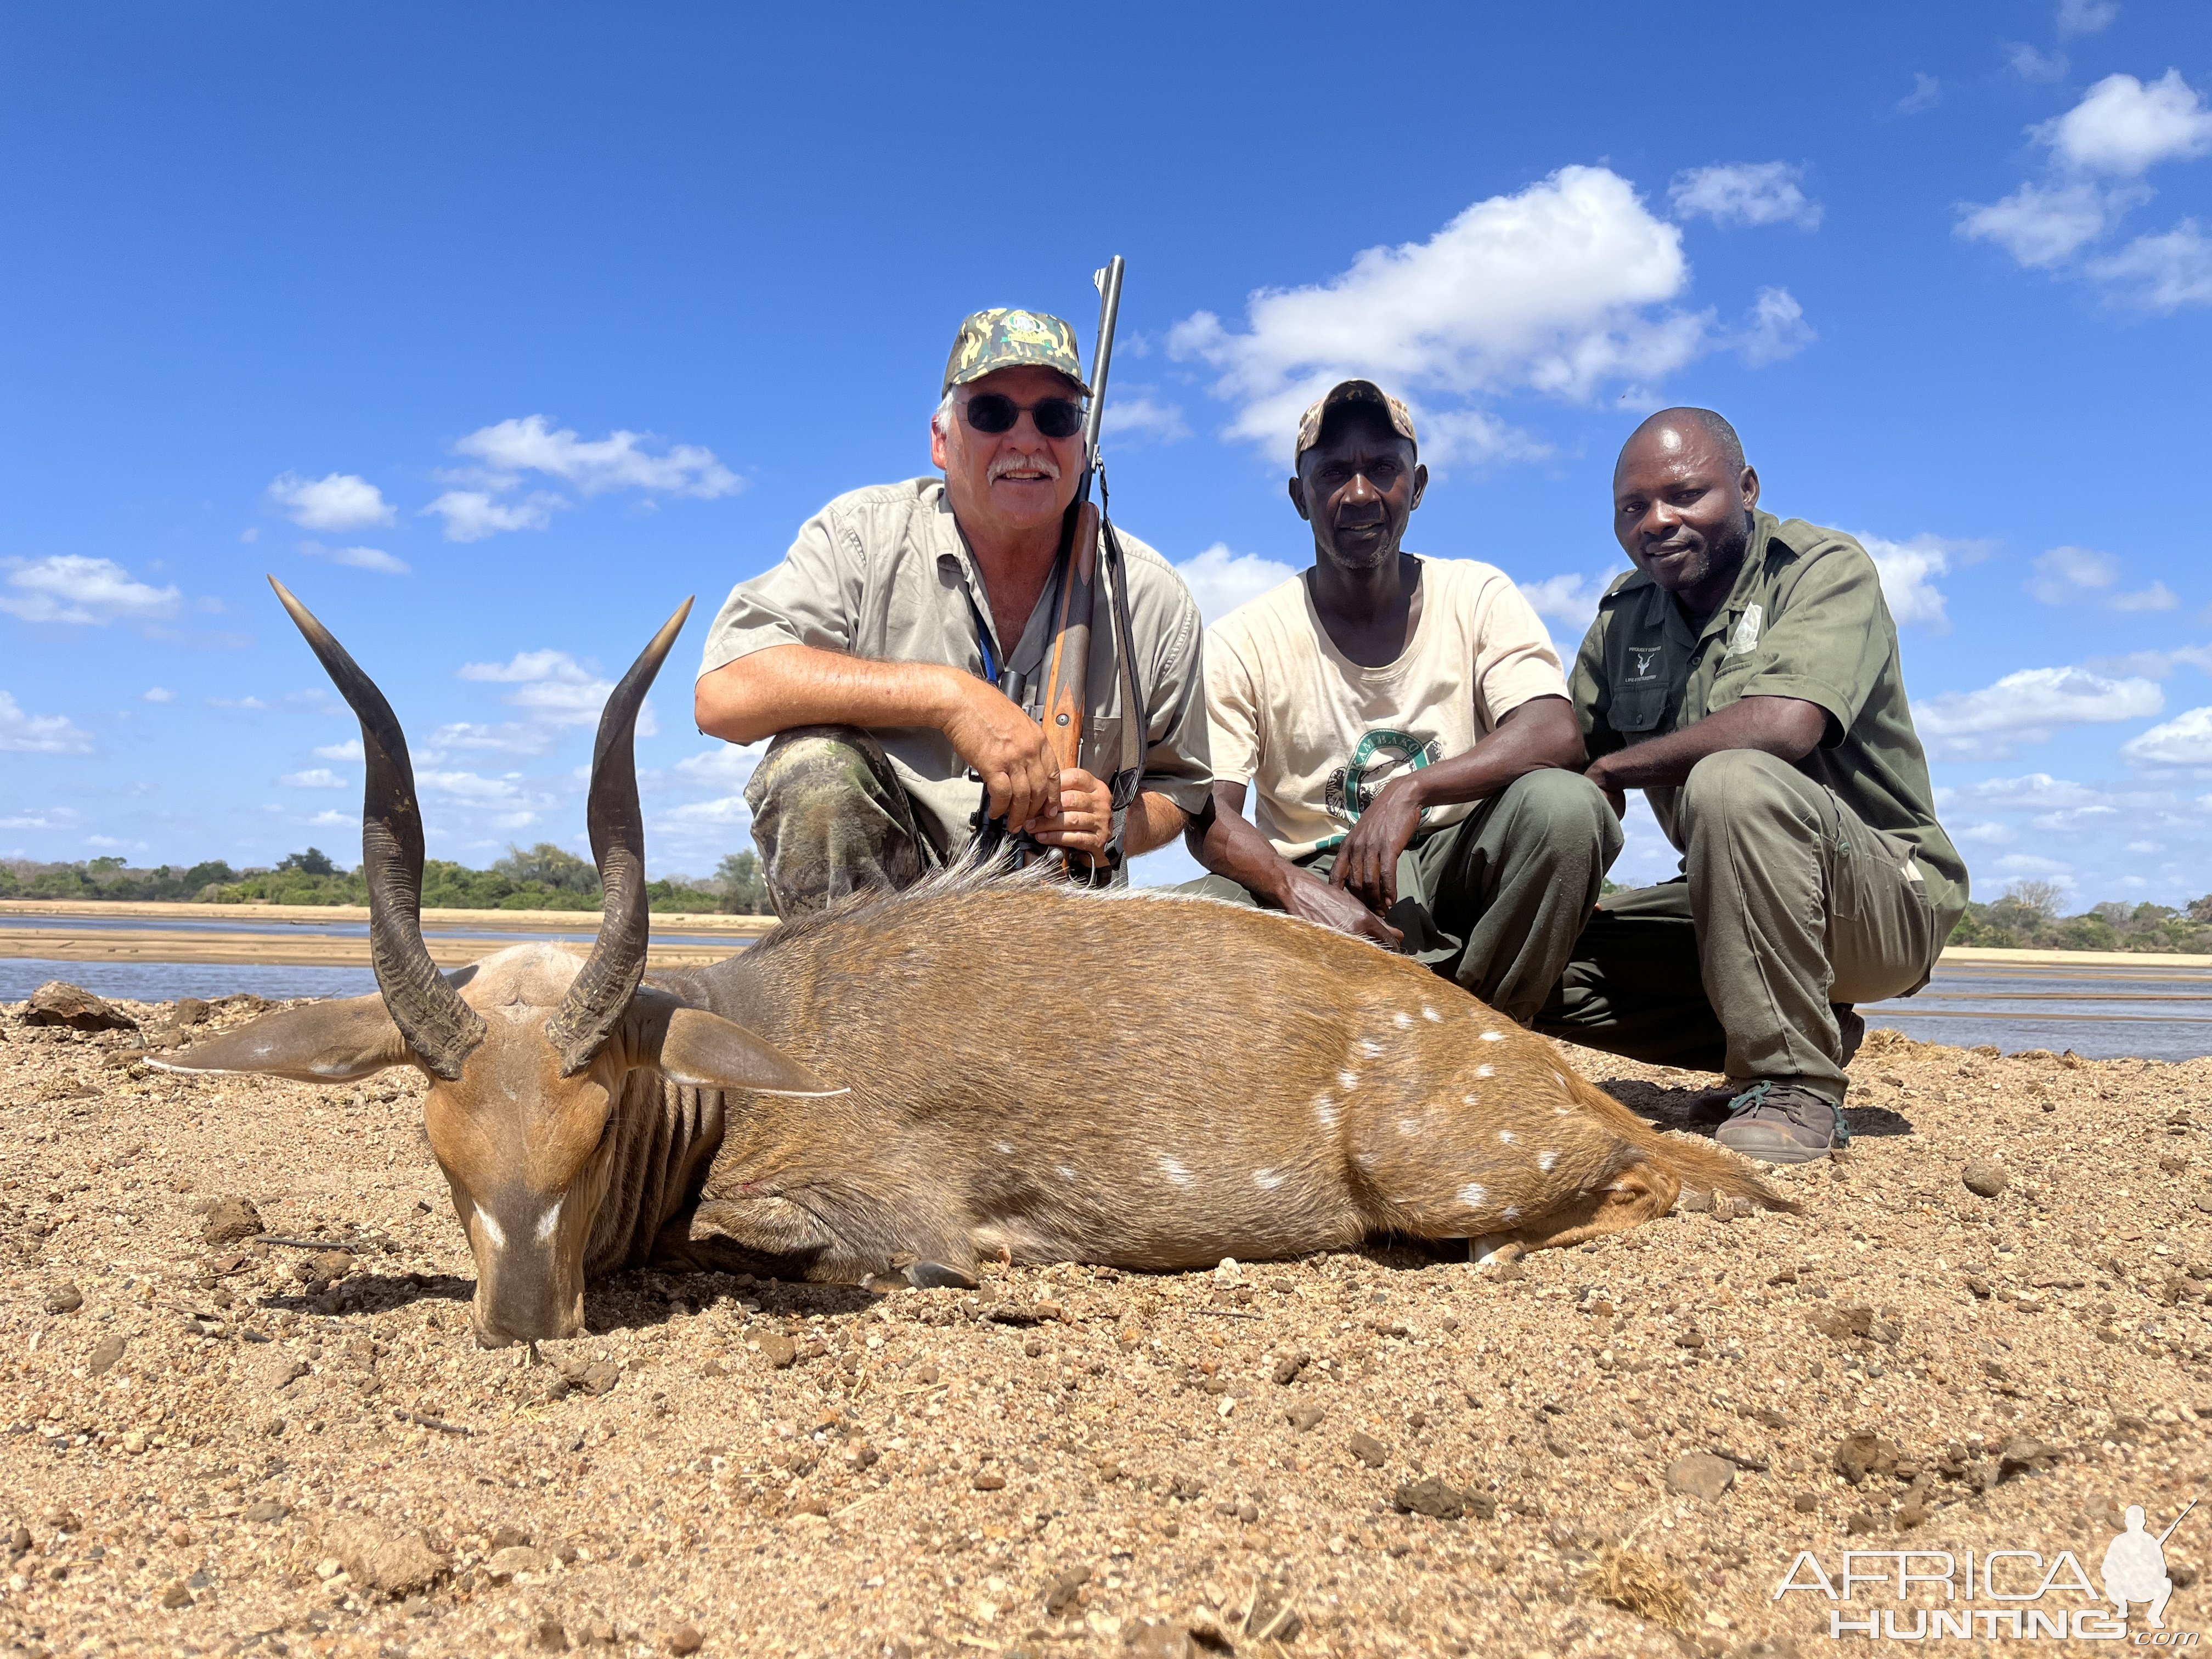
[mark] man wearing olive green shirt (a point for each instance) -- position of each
(1744, 676)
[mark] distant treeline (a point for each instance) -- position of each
(2027, 918)
(540, 878)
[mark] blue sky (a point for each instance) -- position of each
(495, 331)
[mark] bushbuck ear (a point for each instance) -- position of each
(323, 1043)
(709, 1052)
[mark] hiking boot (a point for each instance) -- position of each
(1850, 1024)
(1780, 1123)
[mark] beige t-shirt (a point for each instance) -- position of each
(1319, 736)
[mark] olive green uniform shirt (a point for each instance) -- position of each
(1806, 619)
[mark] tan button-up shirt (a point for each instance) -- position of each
(884, 573)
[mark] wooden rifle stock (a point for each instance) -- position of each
(1067, 672)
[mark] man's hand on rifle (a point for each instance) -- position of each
(1005, 747)
(1085, 821)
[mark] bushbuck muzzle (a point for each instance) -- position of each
(985, 1066)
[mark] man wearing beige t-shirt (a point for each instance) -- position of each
(1406, 724)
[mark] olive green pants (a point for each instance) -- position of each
(1496, 900)
(830, 817)
(1788, 904)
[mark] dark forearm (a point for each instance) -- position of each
(1539, 734)
(1787, 727)
(1230, 844)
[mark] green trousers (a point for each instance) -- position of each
(830, 817)
(1496, 900)
(1788, 904)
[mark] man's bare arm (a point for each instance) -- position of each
(1786, 727)
(1230, 844)
(786, 685)
(1539, 735)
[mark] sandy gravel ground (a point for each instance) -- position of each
(218, 1448)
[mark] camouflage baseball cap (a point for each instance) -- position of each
(1004, 338)
(1352, 391)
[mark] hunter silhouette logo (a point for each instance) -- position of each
(2135, 1567)
(1998, 1593)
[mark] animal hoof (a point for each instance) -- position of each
(936, 1276)
(1493, 1247)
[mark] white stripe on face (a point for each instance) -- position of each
(550, 1219)
(490, 1229)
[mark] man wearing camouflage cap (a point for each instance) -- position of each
(1406, 723)
(896, 656)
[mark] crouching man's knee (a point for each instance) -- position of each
(1564, 811)
(830, 817)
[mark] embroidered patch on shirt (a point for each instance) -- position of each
(1745, 640)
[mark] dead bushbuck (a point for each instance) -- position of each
(878, 1092)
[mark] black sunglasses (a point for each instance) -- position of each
(993, 412)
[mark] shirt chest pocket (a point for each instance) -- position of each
(1637, 710)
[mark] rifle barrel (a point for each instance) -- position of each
(1102, 363)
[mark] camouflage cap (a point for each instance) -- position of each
(1004, 338)
(1352, 391)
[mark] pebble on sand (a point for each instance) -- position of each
(57, 1002)
(231, 1219)
(63, 1298)
(1985, 1177)
(1701, 1475)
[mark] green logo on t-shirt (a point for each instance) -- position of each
(1378, 757)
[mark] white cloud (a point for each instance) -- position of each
(726, 765)
(67, 587)
(2030, 64)
(471, 515)
(1141, 417)
(1473, 437)
(236, 703)
(474, 788)
(39, 734)
(552, 688)
(1220, 581)
(1561, 290)
(1927, 93)
(2031, 865)
(527, 665)
(1568, 598)
(1777, 329)
(2163, 272)
(701, 814)
(2035, 790)
(506, 738)
(2124, 128)
(2068, 576)
(1987, 833)
(2153, 665)
(351, 750)
(367, 558)
(1745, 193)
(2044, 225)
(2184, 740)
(2086, 17)
(159, 694)
(318, 777)
(341, 500)
(47, 817)
(2027, 707)
(1908, 571)
(593, 466)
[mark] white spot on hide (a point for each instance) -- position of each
(1473, 1194)
(549, 1220)
(1174, 1171)
(1006, 1149)
(1326, 1110)
(1545, 1160)
(1370, 1046)
(1409, 1126)
(1485, 1071)
(1402, 1020)
(1067, 1174)
(489, 1228)
(1347, 1080)
(1507, 1136)
(1269, 1180)
(1493, 1037)
(1512, 1210)
(1430, 1014)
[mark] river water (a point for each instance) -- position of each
(2150, 1011)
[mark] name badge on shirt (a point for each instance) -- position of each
(1644, 661)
